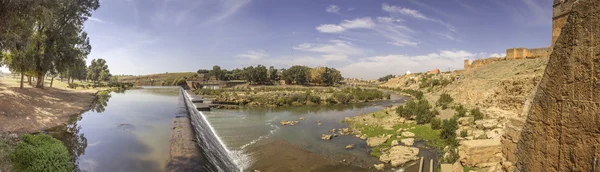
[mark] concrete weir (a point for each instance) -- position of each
(194, 144)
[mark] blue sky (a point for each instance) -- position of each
(363, 38)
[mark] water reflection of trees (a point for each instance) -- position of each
(70, 135)
(99, 105)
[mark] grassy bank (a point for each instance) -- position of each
(272, 96)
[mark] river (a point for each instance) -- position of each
(130, 131)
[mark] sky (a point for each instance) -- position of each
(362, 38)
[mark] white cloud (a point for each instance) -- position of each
(254, 54)
(404, 11)
(389, 19)
(334, 47)
(398, 63)
(96, 20)
(415, 14)
(330, 28)
(333, 9)
(364, 22)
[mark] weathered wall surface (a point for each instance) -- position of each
(562, 131)
(481, 62)
(559, 17)
(521, 53)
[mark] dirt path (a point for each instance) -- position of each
(30, 109)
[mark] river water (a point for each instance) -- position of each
(130, 131)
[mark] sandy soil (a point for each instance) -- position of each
(30, 109)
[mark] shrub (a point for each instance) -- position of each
(331, 100)
(415, 93)
(417, 108)
(435, 82)
(315, 99)
(477, 114)
(436, 123)
(341, 97)
(444, 100)
(461, 111)
(449, 128)
(463, 133)
(41, 153)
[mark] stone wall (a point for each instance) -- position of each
(481, 62)
(562, 132)
(521, 53)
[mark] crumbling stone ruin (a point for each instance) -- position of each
(561, 9)
(562, 131)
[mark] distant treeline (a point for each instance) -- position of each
(260, 75)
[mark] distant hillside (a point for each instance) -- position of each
(163, 79)
(500, 88)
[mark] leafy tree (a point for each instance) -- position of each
(418, 109)
(332, 76)
(444, 100)
(477, 114)
(449, 128)
(98, 71)
(203, 71)
(217, 72)
(436, 123)
(317, 75)
(386, 78)
(273, 74)
(296, 75)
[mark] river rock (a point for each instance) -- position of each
(284, 122)
(333, 130)
(376, 141)
(301, 118)
(408, 134)
(394, 143)
(363, 137)
(400, 155)
(344, 131)
(465, 121)
(379, 167)
(319, 122)
(350, 146)
(408, 141)
(326, 137)
(13, 136)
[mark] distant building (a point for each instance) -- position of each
(408, 72)
(434, 71)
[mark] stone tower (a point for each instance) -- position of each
(562, 131)
(561, 9)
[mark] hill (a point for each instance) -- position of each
(163, 79)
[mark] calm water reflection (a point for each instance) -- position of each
(124, 131)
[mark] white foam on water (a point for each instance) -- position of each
(239, 158)
(271, 132)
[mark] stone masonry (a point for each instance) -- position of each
(562, 130)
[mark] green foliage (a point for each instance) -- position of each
(386, 78)
(364, 94)
(420, 109)
(315, 99)
(444, 100)
(415, 93)
(477, 114)
(452, 155)
(436, 123)
(341, 97)
(331, 100)
(463, 133)
(208, 91)
(98, 71)
(461, 111)
(449, 128)
(41, 153)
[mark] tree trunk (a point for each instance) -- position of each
(22, 77)
(29, 79)
(51, 81)
(40, 80)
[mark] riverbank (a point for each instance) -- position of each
(276, 96)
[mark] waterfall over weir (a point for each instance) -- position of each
(214, 152)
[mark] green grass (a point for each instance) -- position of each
(41, 153)
(468, 168)
(430, 136)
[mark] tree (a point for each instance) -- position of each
(217, 72)
(273, 74)
(98, 71)
(203, 71)
(449, 128)
(444, 100)
(386, 78)
(317, 75)
(332, 76)
(296, 75)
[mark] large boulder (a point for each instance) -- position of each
(408, 134)
(480, 153)
(376, 141)
(486, 124)
(326, 136)
(400, 155)
(408, 141)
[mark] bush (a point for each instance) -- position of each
(461, 111)
(331, 100)
(436, 123)
(477, 114)
(449, 128)
(463, 133)
(341, 97)
(415, 93)
(315, 99)
(41, 153)
(444, 100)
(417, 108)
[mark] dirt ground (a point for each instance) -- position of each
(30, 109)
